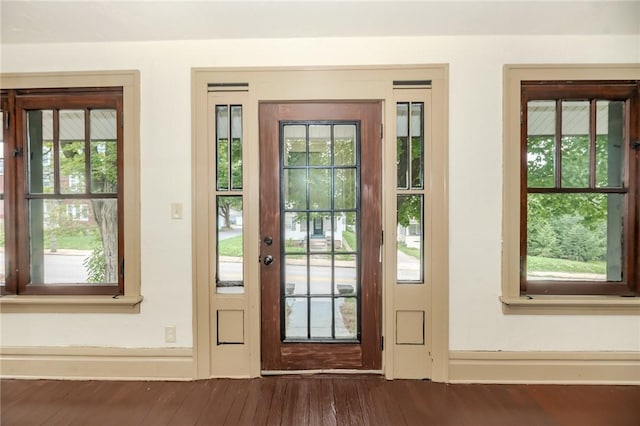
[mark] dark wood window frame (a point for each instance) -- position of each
(15, 105)
(629, 93)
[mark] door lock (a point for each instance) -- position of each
(268, 240)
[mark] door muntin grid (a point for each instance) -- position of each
(319, 226)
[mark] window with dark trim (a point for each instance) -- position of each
(580, 177)
(62, 185)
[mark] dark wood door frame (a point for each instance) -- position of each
(367, 354)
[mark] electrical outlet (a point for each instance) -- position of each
(170, 334)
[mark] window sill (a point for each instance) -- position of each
(571, 305)
(70, 304)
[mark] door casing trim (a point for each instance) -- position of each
(329, 84)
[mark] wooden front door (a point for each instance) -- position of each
(320, 224)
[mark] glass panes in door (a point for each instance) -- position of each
(319, 223)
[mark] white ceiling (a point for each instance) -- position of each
(25, 21)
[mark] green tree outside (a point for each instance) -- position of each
(225, 181)
(102, 264)
(567, 226)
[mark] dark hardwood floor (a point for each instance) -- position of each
(313, 400)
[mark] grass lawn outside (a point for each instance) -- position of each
(547, 264)
(413, 252)
(350, 238)
(233, 247)
(230, 246)
(84, 242)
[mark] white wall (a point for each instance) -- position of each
(476, 322)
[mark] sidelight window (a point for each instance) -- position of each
(410, 149)
(229, 211)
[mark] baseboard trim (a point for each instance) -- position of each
(610, 368)
(86, 363)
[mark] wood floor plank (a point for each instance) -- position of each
(123, 406)
(82, 409)
(513, 404)
(386, 400)
(217, 408)
(288, 400)
(75, 403)
(37, 405)
(11, 394)
(411, 412)
(313, 400)
(469, 405)
(344, 408)
(420, 391)
(260, 414)
(354, 406)
(246, 414)
(156, 396)
(167, 403)
(240, 390)
(590, 405)
(371, 413)
(277, 401)
(193, 404)
(231, 401)
(137, 403)
(301, 408)
(322, 409)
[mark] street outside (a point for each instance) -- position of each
(61, 267)
(66, 267)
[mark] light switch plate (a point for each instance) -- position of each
(176, 210)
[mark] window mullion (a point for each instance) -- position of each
(11, 214)
(558, 145)
(409, 147)
(592, 142)
(19, 208)
(229, 150)
(632, 182)
(524, 188)
(87, 150)
(56, 151)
